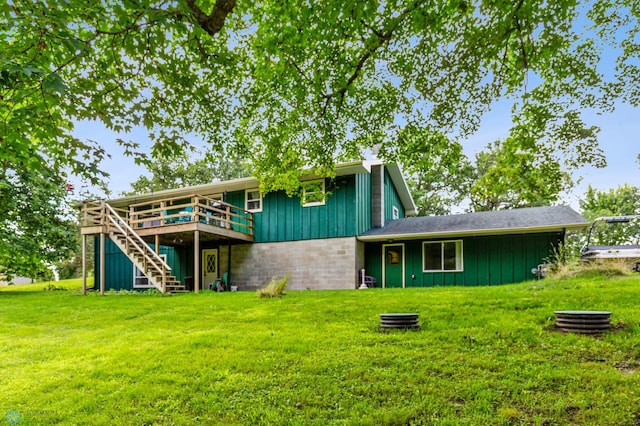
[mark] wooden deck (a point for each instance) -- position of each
(141, 228)
(175, 220)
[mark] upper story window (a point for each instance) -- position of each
(313, 193)
(396, 213)
(253, 200)
(442, 256)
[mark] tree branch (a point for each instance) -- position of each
(214, 22)
(382, 38)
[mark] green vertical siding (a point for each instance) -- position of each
(118, 270)
(489, 260)
(363, 202)
(391, 199)
(284, 218)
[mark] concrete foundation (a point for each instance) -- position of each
(322, 264)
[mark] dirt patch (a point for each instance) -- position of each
(627, 367)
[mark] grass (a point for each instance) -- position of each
(483, 355)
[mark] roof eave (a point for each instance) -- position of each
(404, 193)
(474, 232)
(206, 189)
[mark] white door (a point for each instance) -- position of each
(209, 267)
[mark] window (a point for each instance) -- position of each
(396, 213)
(313, 193)
(253, 200)
(140, 280)
(215, 197)
(393, 257)
(442, 256)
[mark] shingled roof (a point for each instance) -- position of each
(526, 220)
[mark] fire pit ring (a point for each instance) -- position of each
(400, 321)
(583, 322)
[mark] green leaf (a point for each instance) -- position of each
(54, 83)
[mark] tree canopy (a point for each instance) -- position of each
(298, 83)
(621, 201)
(33, 233)
(170, 173)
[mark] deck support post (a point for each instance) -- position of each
(102, 235)
(196, 261)
(229, 267)
(157, 243)
(84, 265)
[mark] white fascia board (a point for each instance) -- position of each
(473, 233)
(205, 189)
(344, 169)
(400, 183)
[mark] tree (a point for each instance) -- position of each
(182, 171)
(621, 201)
(513, 173)
(33, 233)
(298, 83)
(507, 176)
(438, 173)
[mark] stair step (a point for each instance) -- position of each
(134, 251)
(176, 289)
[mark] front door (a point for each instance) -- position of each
(393, 265)
(209, 267)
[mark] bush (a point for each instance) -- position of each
(274, 288)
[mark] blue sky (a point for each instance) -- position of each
(619, 138)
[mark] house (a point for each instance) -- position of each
(192, 238)
(485, 248)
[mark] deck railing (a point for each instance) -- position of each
(188, 209)
(174, 211)
(93, 213)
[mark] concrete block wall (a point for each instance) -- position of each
(322, 264)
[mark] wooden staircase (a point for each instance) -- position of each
(157, 271)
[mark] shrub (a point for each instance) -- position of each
(274, 288)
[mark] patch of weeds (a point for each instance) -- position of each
(53, 287)
(149, 292)
(274, 288)
(605, 269)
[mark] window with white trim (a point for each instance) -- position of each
(140, 280)
(395, 213)
(442, 256)
(253, 200)
(313, 193)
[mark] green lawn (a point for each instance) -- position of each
(484, 355)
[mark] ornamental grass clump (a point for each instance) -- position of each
(274, 288)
